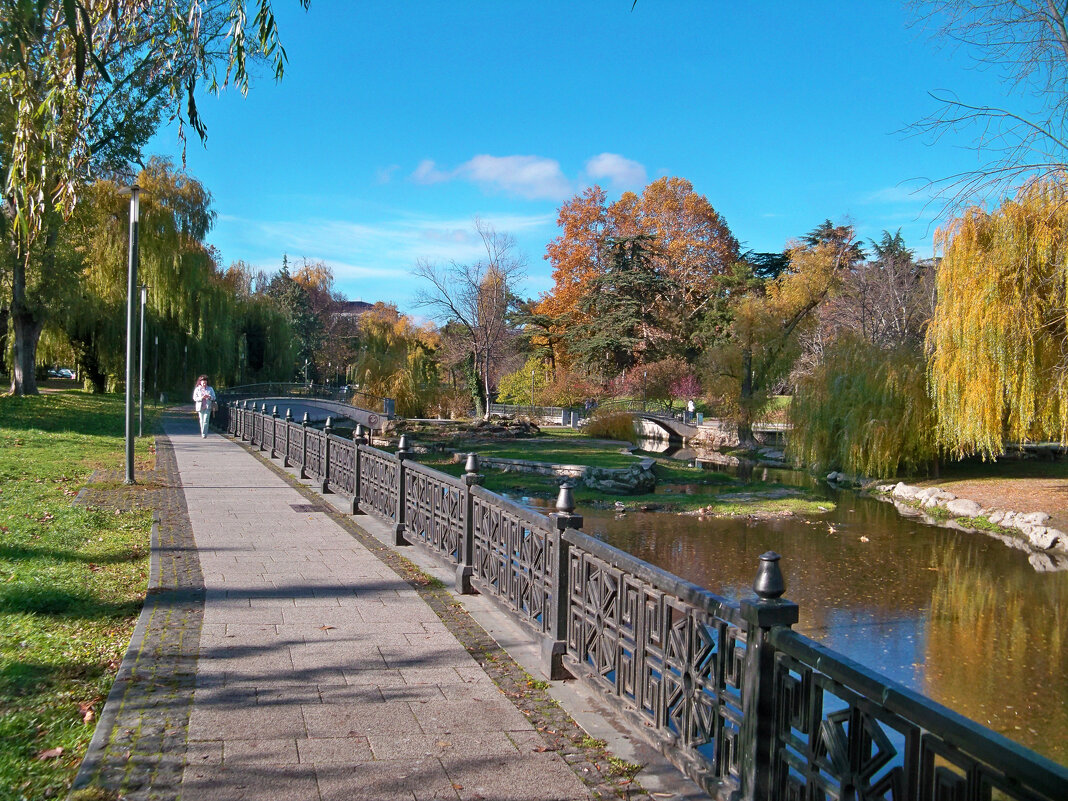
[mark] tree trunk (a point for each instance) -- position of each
(745, 417)
(28, 319)
(26, 324)
(27, 328)
(5, 313)
(486, 384)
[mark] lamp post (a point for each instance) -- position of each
(131, 288)
(155, 368)
(306, 371)
(532, 395)
(141, 366)
(645, 376)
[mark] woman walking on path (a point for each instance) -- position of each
(204, 398)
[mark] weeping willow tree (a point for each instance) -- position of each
(397, 360)
(864, 410)
(195, 322)
(998, 343)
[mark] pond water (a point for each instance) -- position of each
(962, 618)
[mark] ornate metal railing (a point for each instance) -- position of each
(744, 705)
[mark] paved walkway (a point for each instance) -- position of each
(321, 672)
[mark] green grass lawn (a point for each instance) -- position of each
(735, 498)
(72, 582)
(559, 451)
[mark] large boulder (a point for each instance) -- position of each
(905, 492)
(1043, 538)
(636, 480)
(962, 507)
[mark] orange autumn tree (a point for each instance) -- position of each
(691, 246)
(694, 244)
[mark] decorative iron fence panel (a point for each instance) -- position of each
(379, 483)
(295, 445)
(257, 428)
(313, 459)
(278, 442)
(268, 433)
(667, 650)
(342, 472)
(844, 730)
(435, 510)
(515, 557)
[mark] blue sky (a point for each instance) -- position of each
(397, 123)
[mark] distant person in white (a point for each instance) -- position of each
(204, 398)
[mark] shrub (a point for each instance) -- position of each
(612, 425)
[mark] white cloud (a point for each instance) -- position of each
(428, 173)
(530, 177)
(622, 173)
(535, 177)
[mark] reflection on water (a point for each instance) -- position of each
(958, 617)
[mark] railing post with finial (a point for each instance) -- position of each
(325, 466)
(554, 646)
(285, 452)
(304, 446)
(263, 425)
(465, 566)
(357, 441)
(360, 440)
(403, 453)
(274, 431)
(766, 611)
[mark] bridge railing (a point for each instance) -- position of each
(343, 394)
(744, 705)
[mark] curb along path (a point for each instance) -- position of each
(322, 672)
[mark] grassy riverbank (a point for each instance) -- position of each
(72, 581)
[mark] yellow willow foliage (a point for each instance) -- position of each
(397, 360)
(865, 411)
(998, 369)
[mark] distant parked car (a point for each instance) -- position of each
(65, 372)
(53, 373)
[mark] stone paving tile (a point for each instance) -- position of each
(359, 720)
(445, 717)
(243, 781)
(387, 780)
(225, 722)
(419, 746)
(334, 750)
(542, 776)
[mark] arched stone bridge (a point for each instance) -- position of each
(663, 426)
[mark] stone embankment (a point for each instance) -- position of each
(637, 479)
(1025, 530)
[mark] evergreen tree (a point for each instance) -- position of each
(292, 300)
(623, 306)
